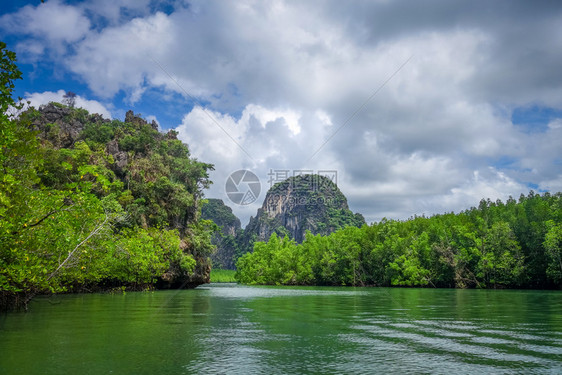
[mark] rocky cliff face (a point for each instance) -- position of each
(62, 125)
(226, 239)
(299, 204)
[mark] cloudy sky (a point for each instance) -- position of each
(419, 107)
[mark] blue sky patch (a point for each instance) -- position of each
(534, 119)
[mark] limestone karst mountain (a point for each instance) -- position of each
(299, 204)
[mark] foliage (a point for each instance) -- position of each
(221, 214)
(496, 245)
(222, 276)
(225, 236)
(553, 246)
(70, 219)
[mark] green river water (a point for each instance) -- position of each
(233, 329)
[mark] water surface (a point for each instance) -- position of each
(232, 329)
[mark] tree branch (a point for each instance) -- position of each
(66, 202)
(70, 255)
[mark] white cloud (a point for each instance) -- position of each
(554, 184)
(423, 144)
(52, 23)
(555, 124)
(281, 77)
(264, 117)
(93, 106)
(122, 57)
(261, 140)
(403, 185)
(487, 184)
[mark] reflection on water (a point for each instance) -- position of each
(278, 330)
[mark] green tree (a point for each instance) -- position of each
(408, 266)
(553, 246)
(502, 261)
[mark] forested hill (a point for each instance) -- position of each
(299, 204)
(88, 203)
(516, 244)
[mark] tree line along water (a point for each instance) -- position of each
(512, 244)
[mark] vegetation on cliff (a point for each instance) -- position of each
(300, 204)
(516, 244)
(226, 238)
(87, 202)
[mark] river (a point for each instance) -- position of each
(234, 329)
